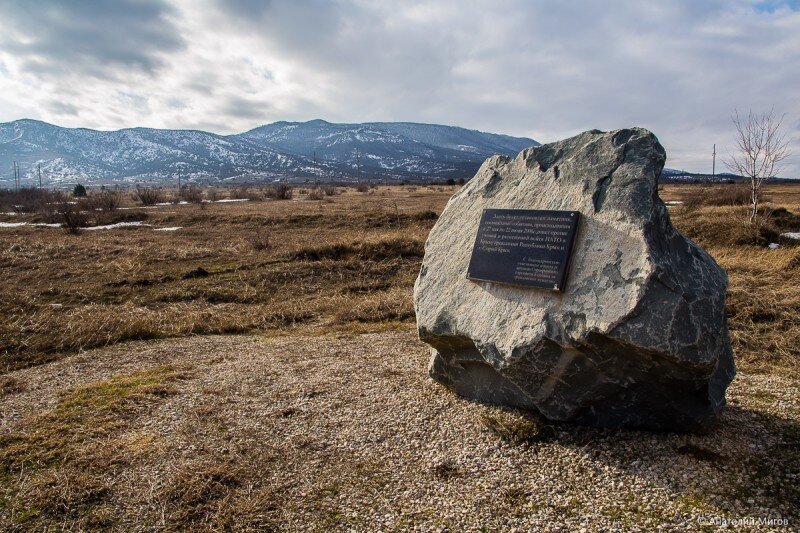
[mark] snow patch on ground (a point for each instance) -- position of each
(117, 225)
(674, 202)
(792, 235)
(20, 224)
(91, 228)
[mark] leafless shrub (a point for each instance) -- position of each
(240, 193)
(149, 196)
(192, 194)
(27, 199)
(362, 187)
(330, 190)
(315, 194)
(255, 195)
(280, 191)
(101, 205)
(213, 194)
(73, 216)
(104, 200)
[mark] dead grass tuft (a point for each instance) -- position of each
(88, 412)
(763, 306)
(61, 464)
(445, 470)
(518, 429)
(727, 226)
(259, 240)
(394, 305)
(200, 489)
(699, 453)
(370, 251)
(10, 385)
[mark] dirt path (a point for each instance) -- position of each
(321, 432)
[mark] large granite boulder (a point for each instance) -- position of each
(638, 338)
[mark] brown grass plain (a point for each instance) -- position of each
(343, 261)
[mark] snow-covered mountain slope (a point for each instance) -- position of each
(137, 154)
(296, 151)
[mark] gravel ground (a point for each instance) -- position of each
(347, 432)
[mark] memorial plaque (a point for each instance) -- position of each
(524, 247)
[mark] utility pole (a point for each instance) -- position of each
(16, 176)
(714, 161)
(39, 169)
(358, 165)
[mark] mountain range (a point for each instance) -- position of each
(294, 151)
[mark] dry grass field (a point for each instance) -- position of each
(120, 411)
(230, 268)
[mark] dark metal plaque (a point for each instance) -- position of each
(524, 247)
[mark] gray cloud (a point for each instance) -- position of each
(545, 70)
(62, 108)
(89, 37)
(239, 107)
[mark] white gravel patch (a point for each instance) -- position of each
(343, 432)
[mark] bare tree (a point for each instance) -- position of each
(761, 145)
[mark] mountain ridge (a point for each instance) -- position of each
(283, 150)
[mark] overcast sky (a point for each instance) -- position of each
(546, 69)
